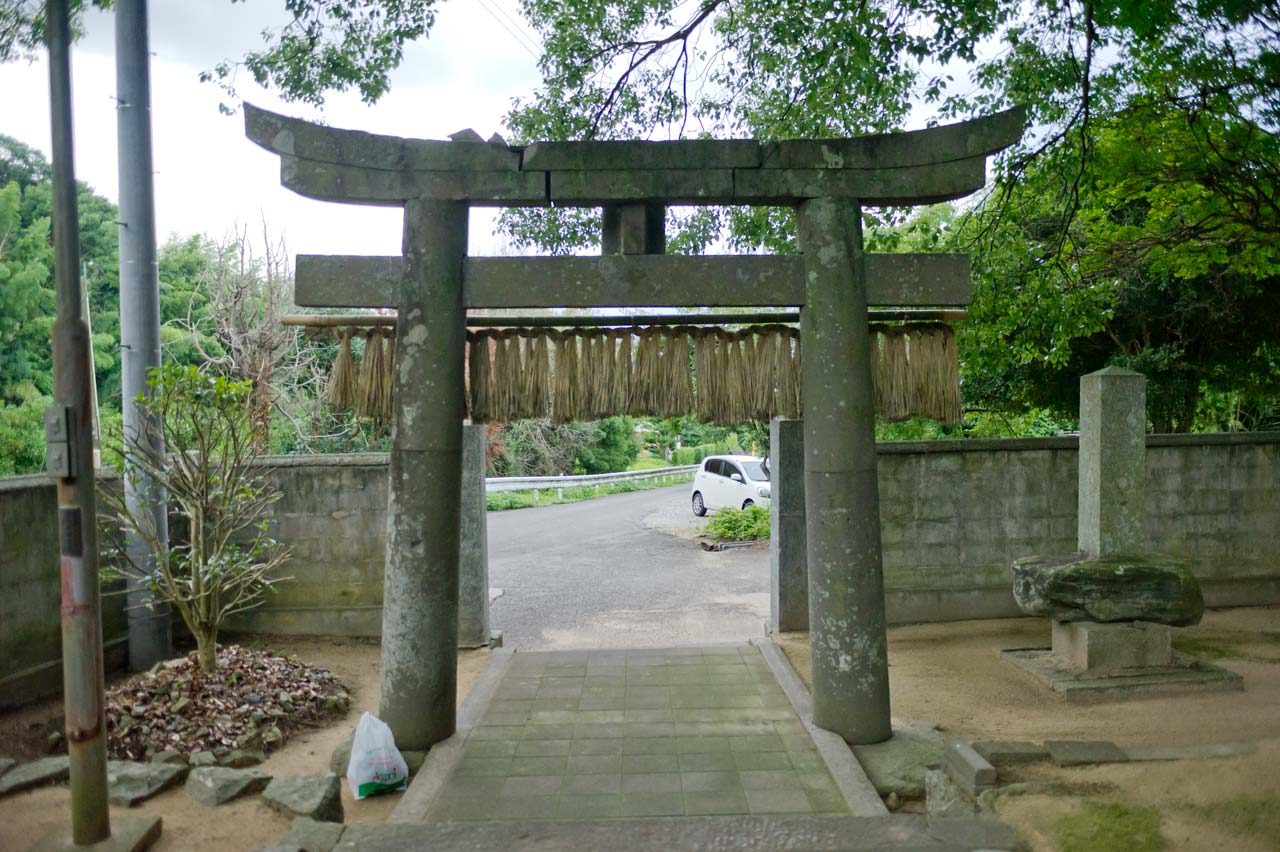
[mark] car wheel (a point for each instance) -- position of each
(699, 508)
(746, 503)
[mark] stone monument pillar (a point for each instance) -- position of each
(1113, 602)
(789, 577)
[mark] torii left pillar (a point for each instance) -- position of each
(420, 602)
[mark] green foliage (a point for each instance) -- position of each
(22, 436)
(692, 455)
(612, 446)
(226, 561)
(749, 524)
(333, 46)
(1110, 827)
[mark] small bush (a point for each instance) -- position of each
(749, 524)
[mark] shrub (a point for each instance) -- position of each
(749, 524)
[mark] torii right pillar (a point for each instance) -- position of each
(850, 663)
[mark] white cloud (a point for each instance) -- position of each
(209, 176)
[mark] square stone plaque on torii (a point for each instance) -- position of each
(832, 282)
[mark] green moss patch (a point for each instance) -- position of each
(1109, 827)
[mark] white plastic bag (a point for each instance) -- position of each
(376, 765)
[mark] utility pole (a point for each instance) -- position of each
(150, 634)
(68, 430)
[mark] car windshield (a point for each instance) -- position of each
(755, 471)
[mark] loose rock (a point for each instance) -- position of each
(943, 797)
(312, 835)
(203, 758)
(898, 764)
(315, 796)
(7, 763)
(1072, 588)
(170, 756)
(130, 783)
(214, 785)
(48, 770)
(241, 758)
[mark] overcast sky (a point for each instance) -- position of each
(209, 176)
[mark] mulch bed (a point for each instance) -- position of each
(252, 701)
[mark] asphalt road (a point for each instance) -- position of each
(620, 571)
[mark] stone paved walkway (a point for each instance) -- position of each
(599, 734)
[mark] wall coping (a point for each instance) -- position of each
(964, 445)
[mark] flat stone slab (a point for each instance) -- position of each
(1073, 588)
(215, 785)
(1084, 752)
(898, 765)
(129, 833)
(1192, 752)
(721, 833)
(315, 796)
(1011, 751)
(970, 770)
(130, 784)
(1185, 673)
(313, 835)
(38, 773)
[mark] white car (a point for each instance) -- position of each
(730, 481)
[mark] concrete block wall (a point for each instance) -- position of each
(954, 515)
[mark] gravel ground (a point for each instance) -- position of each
(621, 571)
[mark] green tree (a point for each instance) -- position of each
(612, 447)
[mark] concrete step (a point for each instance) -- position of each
(723, 834)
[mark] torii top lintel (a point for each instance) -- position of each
(916, 167)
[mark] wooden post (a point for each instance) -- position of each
(842, 502)
(420, 600)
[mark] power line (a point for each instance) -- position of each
(519, 25)
(520, 41)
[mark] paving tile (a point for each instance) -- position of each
(711, 761)
(710, 782)
(542, 748)
(523, 807)
(650, 729)
(778, 802)
(475, 766)
(817, 781)
(647, 714)
(770, 779)
(595, 763)
(490, 748)
(496, 732)
(537, 765)
(596, 747)
(601, 702)
(546, 732)
(705, 804)
(763, 742)
(592, 717)
(587, 807)
(545, 704)
(827, 802)
(560, 692)
(472, 787)
(758, 760)
(613, 681)
(653, 782)
(444, 810)
(531, 785)
(652, 804)
(553, 717)
(591, 784)
(633, 764)
(807, 761)
(699, 745)
(495, 719)
(649, 745)
(599, 731)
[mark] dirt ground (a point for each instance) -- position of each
(952, 675)
(242, 825)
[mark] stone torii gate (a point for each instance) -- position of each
(832, 282)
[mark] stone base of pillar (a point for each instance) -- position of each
(1087, 646)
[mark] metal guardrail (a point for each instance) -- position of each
(496, 484)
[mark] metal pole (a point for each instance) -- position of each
(68, 426)
(150, 637)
